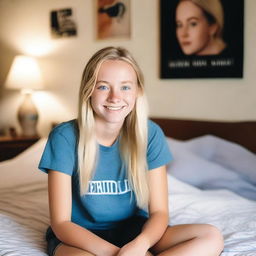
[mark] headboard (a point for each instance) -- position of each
(243, 133)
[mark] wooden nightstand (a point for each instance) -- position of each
(12, 146)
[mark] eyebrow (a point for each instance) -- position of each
(193, 18)
(123, 82)
(190, 18)
(102, 81)
(128, 81)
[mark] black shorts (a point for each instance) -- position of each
(126, 231)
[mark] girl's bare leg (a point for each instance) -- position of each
(65, 250)
(190, 239)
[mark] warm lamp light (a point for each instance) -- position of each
(25, 75)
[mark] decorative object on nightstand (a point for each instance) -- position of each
(25, 75)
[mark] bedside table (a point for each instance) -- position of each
(12, 146)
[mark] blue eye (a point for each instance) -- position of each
(126, 87)
(102, 87)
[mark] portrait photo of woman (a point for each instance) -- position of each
(201, 38)
(199, 27)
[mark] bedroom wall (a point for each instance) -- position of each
(24, 29)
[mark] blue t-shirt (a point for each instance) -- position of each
(109, 198)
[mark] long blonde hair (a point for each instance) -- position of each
(133, 135)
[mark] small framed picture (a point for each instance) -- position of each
(63, 23)
(113, 19)
(201, 39)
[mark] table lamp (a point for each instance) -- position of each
(25, 76)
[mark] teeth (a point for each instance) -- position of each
(113, 108)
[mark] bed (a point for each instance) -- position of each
(211, 180)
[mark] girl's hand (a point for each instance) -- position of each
(134, 248)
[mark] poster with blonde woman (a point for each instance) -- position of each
(202, 38)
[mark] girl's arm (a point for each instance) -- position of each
(157, 223)
(60, 203)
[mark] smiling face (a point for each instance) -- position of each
(193, 31)
(115, 92)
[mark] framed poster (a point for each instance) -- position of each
(201, 39)
(62, 23)
(113, 19)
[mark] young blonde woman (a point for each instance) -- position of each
(107, 166)
(199, 26)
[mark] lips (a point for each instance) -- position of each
(185, 43)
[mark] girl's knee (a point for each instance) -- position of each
(214, 236)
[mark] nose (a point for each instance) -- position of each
(183, 31)
(114, 96)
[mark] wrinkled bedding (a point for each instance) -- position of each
(231, 213)
(23, 220)
(209, 162)
(196, 195)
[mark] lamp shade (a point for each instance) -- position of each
(24, 74)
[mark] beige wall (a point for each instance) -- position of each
(24, 29)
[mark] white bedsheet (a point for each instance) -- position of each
(24, 209)
(232, 214)
(24, 217)
(23, 220)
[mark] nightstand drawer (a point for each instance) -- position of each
(12, 146)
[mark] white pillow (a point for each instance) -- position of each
(225, 153)
(23, 168)
(197, 162)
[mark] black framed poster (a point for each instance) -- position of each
(201, 39)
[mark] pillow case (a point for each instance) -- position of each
(22, 169)
(206, 162)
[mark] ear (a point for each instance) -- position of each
(213, 29)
